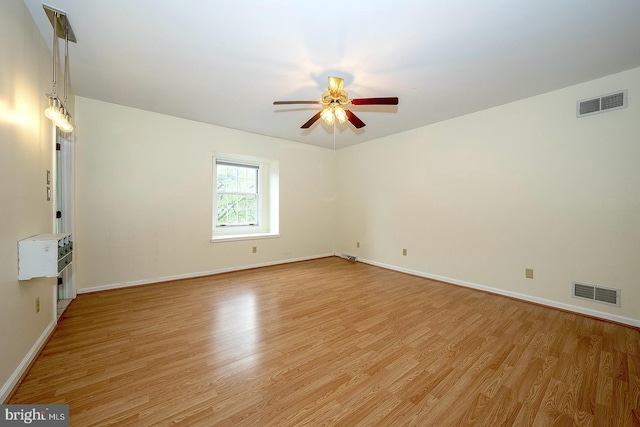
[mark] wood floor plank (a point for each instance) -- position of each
(331, 342)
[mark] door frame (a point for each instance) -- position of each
(63, 192)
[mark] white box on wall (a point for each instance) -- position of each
(44, 255)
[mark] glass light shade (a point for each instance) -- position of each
(327, 116)
(53, 112)
(66, 125)
(340, 114)
(60, 119)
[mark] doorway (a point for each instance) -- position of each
(63, 212)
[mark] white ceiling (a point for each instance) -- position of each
(225, 62)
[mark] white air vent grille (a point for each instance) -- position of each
(350, 257)
(610, 102)
(596, 293)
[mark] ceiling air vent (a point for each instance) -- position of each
(610, 102)
(596, 293)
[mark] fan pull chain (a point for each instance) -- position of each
(334, 139)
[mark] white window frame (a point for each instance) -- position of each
(258, 192)
(268, 200)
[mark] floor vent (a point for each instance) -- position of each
(602, 104)
(596, 293)
(350, 257)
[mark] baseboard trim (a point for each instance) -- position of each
(549, 303)
(7, 389)
(198, 274)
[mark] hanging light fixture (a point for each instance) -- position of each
(57, 112)
(65, 125)
(334, 99)
(53, 111)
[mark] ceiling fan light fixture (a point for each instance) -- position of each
(335, 86)
(328, 116)
(335, 103)
(340, 114)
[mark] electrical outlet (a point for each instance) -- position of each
(404, 252)
(38, 305)
(528, 273)
(254, 249)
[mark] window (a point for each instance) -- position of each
(245, 198)
(237, 194)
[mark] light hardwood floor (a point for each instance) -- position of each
(330, 342)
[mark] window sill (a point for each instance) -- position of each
(236, 237)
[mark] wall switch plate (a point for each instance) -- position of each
(357, 244)
(528, 273)
(404, 252)
(254, 249)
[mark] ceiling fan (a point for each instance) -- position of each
(335, 102)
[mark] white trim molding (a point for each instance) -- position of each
(515, 295)
(199, 274)
(236, 237)
(22, 368)
(523, 297)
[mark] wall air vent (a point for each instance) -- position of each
(350, 257)
(602, 104)
(596, 293)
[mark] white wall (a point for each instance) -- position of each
(26, 153)
(144, 197)
(479, 198)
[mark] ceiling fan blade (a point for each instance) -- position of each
(375, 101)
(294, 102)
(354, 119)
(311, 121)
